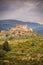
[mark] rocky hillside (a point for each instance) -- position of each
(6, 24)
(20, 31)
(23, 46)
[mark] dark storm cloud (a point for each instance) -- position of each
(10, 4)
(7, 3)
(31, 10)
(16, 4)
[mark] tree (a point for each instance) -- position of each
(6, 46)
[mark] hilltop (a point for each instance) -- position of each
(19, 31)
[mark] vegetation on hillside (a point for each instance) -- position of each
(22, 51)
(25, 49)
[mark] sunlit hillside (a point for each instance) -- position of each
(21, 46)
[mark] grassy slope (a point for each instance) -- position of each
(24, 51)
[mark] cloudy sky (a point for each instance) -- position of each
(24, 10)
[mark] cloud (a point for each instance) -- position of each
(26, 10)
(15, 4)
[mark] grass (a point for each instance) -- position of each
(25, 51)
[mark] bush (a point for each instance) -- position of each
(33, 44)
(6, 46)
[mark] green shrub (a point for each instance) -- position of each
(33, 44)
(6, 46)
